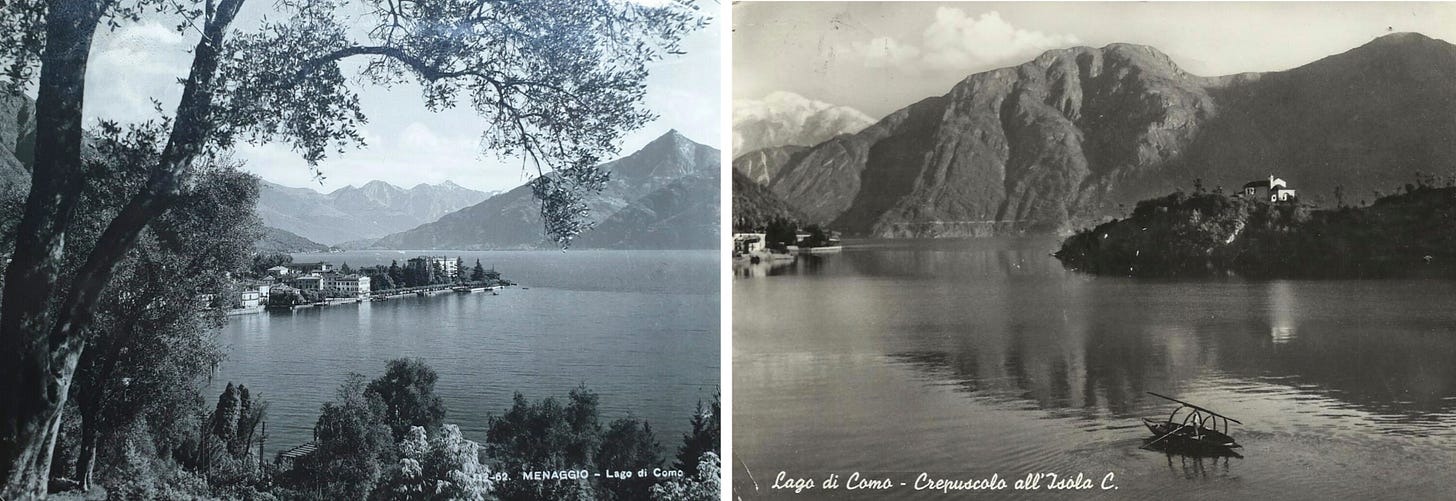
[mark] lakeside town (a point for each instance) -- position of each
(276, 282)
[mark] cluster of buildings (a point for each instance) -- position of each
(321, 277)
(289, 280)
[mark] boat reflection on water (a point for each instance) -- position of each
(1200, 466)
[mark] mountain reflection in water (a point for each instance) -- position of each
(979, 356)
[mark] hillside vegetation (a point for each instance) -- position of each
(1410, 233)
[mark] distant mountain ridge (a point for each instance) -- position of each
(276, 240)
(350, 213)
(1066, 139)
(787, 119)
(662, 196)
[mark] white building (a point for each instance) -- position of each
(311, 281)
(1275, 189)
(447, 266)
(749, 243)
(356, 285)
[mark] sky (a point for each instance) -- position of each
(407, 144)
(879, 57)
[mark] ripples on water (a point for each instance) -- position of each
(640, 328)
(967, 358)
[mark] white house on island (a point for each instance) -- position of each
(1275, 190)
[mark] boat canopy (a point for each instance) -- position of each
(1197, 415)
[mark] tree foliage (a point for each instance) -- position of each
(705, 485)
(354, 444)
(705, 437)
(407, 390)
(546, 436)
(445, 466)
(628, 446)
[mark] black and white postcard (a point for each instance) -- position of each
(1094, 250)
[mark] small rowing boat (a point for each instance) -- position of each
(1196, 432)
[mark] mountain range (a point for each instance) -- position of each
(662, 196)
(1078, 134)
(351, 213)
(787, 119)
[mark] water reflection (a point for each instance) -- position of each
(990, 353)
(1101, 350)
(1200, 467)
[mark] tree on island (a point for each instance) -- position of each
(459, 269)
(557, 82)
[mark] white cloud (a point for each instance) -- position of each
(956, 41)
(959, 41)
(885, 52)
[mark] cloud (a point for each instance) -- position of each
(885, 52)
(958, 41)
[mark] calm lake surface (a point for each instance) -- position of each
(640, 328)
(968, 358)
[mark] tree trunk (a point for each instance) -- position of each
(86, 459)
(30, 406)
(42, 349)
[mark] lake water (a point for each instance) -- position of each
(969, 358)
(640, 328)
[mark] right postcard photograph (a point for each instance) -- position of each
(1093, 250)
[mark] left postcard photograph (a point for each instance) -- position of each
(367, 249)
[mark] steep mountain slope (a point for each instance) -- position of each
(1066, 138)
(785, 119)
(276, 240)
(370, 211)
(755, 206)
(512, 220)
(761, 166)
(681, 215)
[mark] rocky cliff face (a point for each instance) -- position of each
(661, 183)
(1065, 139)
